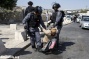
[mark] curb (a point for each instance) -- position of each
(26, 46)
(9, 53)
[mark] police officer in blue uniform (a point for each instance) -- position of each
(29, 8)
(57, 19)
(34, 20)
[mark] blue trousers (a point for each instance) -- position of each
(35, 37)
(59, 29)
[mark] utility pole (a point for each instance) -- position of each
(86, 7)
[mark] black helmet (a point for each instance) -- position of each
(56, 5)
(30, 3)
(38, 9)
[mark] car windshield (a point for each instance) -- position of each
(68, 16)
(86, 19)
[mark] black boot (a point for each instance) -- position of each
(39, 48)
(56, 46)
(33, 46)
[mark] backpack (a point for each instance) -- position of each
(49, 45)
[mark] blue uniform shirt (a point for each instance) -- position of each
(56, 17)
(28, 18)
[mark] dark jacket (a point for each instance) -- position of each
(39, 20)
(57, 18)
(28, 10)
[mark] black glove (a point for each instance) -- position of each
(25, 26)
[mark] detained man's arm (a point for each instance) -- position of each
(47, 32)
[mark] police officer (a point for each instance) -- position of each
(29, 8)
(34, 19)
(57, 19)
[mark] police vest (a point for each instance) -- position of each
(53, 19)
(34, 20)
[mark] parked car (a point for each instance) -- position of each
(84, 23)
(67, 17)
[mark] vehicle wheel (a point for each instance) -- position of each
(79, 25)
(82, 27)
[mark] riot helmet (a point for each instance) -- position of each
(56, 5)
(30, 3)
(38, 9)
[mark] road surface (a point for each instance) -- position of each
(74, 44)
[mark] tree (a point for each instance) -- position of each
(8, 4)
(83, 11)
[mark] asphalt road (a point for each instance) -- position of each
(74, 44)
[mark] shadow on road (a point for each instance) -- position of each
(23, 53)
(13, 52)
(85, 28)
(4, 38)
(61, 49)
